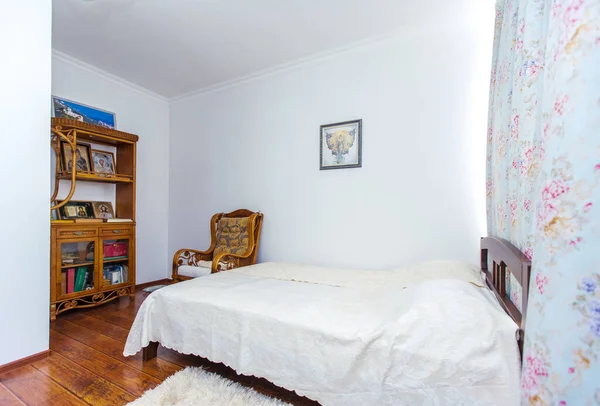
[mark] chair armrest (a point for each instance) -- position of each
(226, 262)
(188, 256)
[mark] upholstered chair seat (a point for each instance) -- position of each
(192, 271)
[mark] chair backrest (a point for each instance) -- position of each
(254, 228)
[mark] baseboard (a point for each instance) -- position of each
(158, 282)
(24, 361)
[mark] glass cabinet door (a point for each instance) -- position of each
(115, 262)
(77, 264)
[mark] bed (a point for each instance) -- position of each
(435, 333)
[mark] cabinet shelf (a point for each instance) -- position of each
(76, 265)
(93, 177)
(113, 286)
(109, 260)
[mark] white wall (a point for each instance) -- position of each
(147, 116)
(25, 32)
(420, 194)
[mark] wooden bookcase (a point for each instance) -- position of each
(83, 251)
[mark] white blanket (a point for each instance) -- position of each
(423, 335)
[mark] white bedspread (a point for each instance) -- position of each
(421, 335)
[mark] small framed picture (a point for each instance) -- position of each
(75, 210)
(103, 162)
(341, 145)
(103, 210)
(82, 157)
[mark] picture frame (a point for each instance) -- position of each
(76, 210)
(103, 210)
(83, 160)
(341, 145)
(103, 162)
(64, 108)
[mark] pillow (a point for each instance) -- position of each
(369, 279)
(442, 270)
(193, 271)
(232, 235)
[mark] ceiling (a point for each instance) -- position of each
(173, 47)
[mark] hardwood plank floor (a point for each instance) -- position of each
(87, 366)
(34, 388)
(7, 398)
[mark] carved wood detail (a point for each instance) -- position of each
(91, 300)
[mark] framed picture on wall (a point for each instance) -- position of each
(341, 145)
(63, 108)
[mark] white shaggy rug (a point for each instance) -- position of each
(196, 387)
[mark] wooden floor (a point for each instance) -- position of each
(87, 366)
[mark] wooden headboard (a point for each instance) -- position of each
(502, 255)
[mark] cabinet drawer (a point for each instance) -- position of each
(114, 232)
(76, 233)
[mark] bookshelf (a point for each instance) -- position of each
(92, 261)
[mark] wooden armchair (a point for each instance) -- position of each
(234, 243)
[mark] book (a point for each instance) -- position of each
(69, 257)
(115, 277)
(79, 279)
(87, 284)
(70, 280)
(118, 220)
(63, 283)
(115, 274)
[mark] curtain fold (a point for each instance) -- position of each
(543, 186)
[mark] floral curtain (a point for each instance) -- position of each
(543, 186)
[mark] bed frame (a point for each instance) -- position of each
(500, 254)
